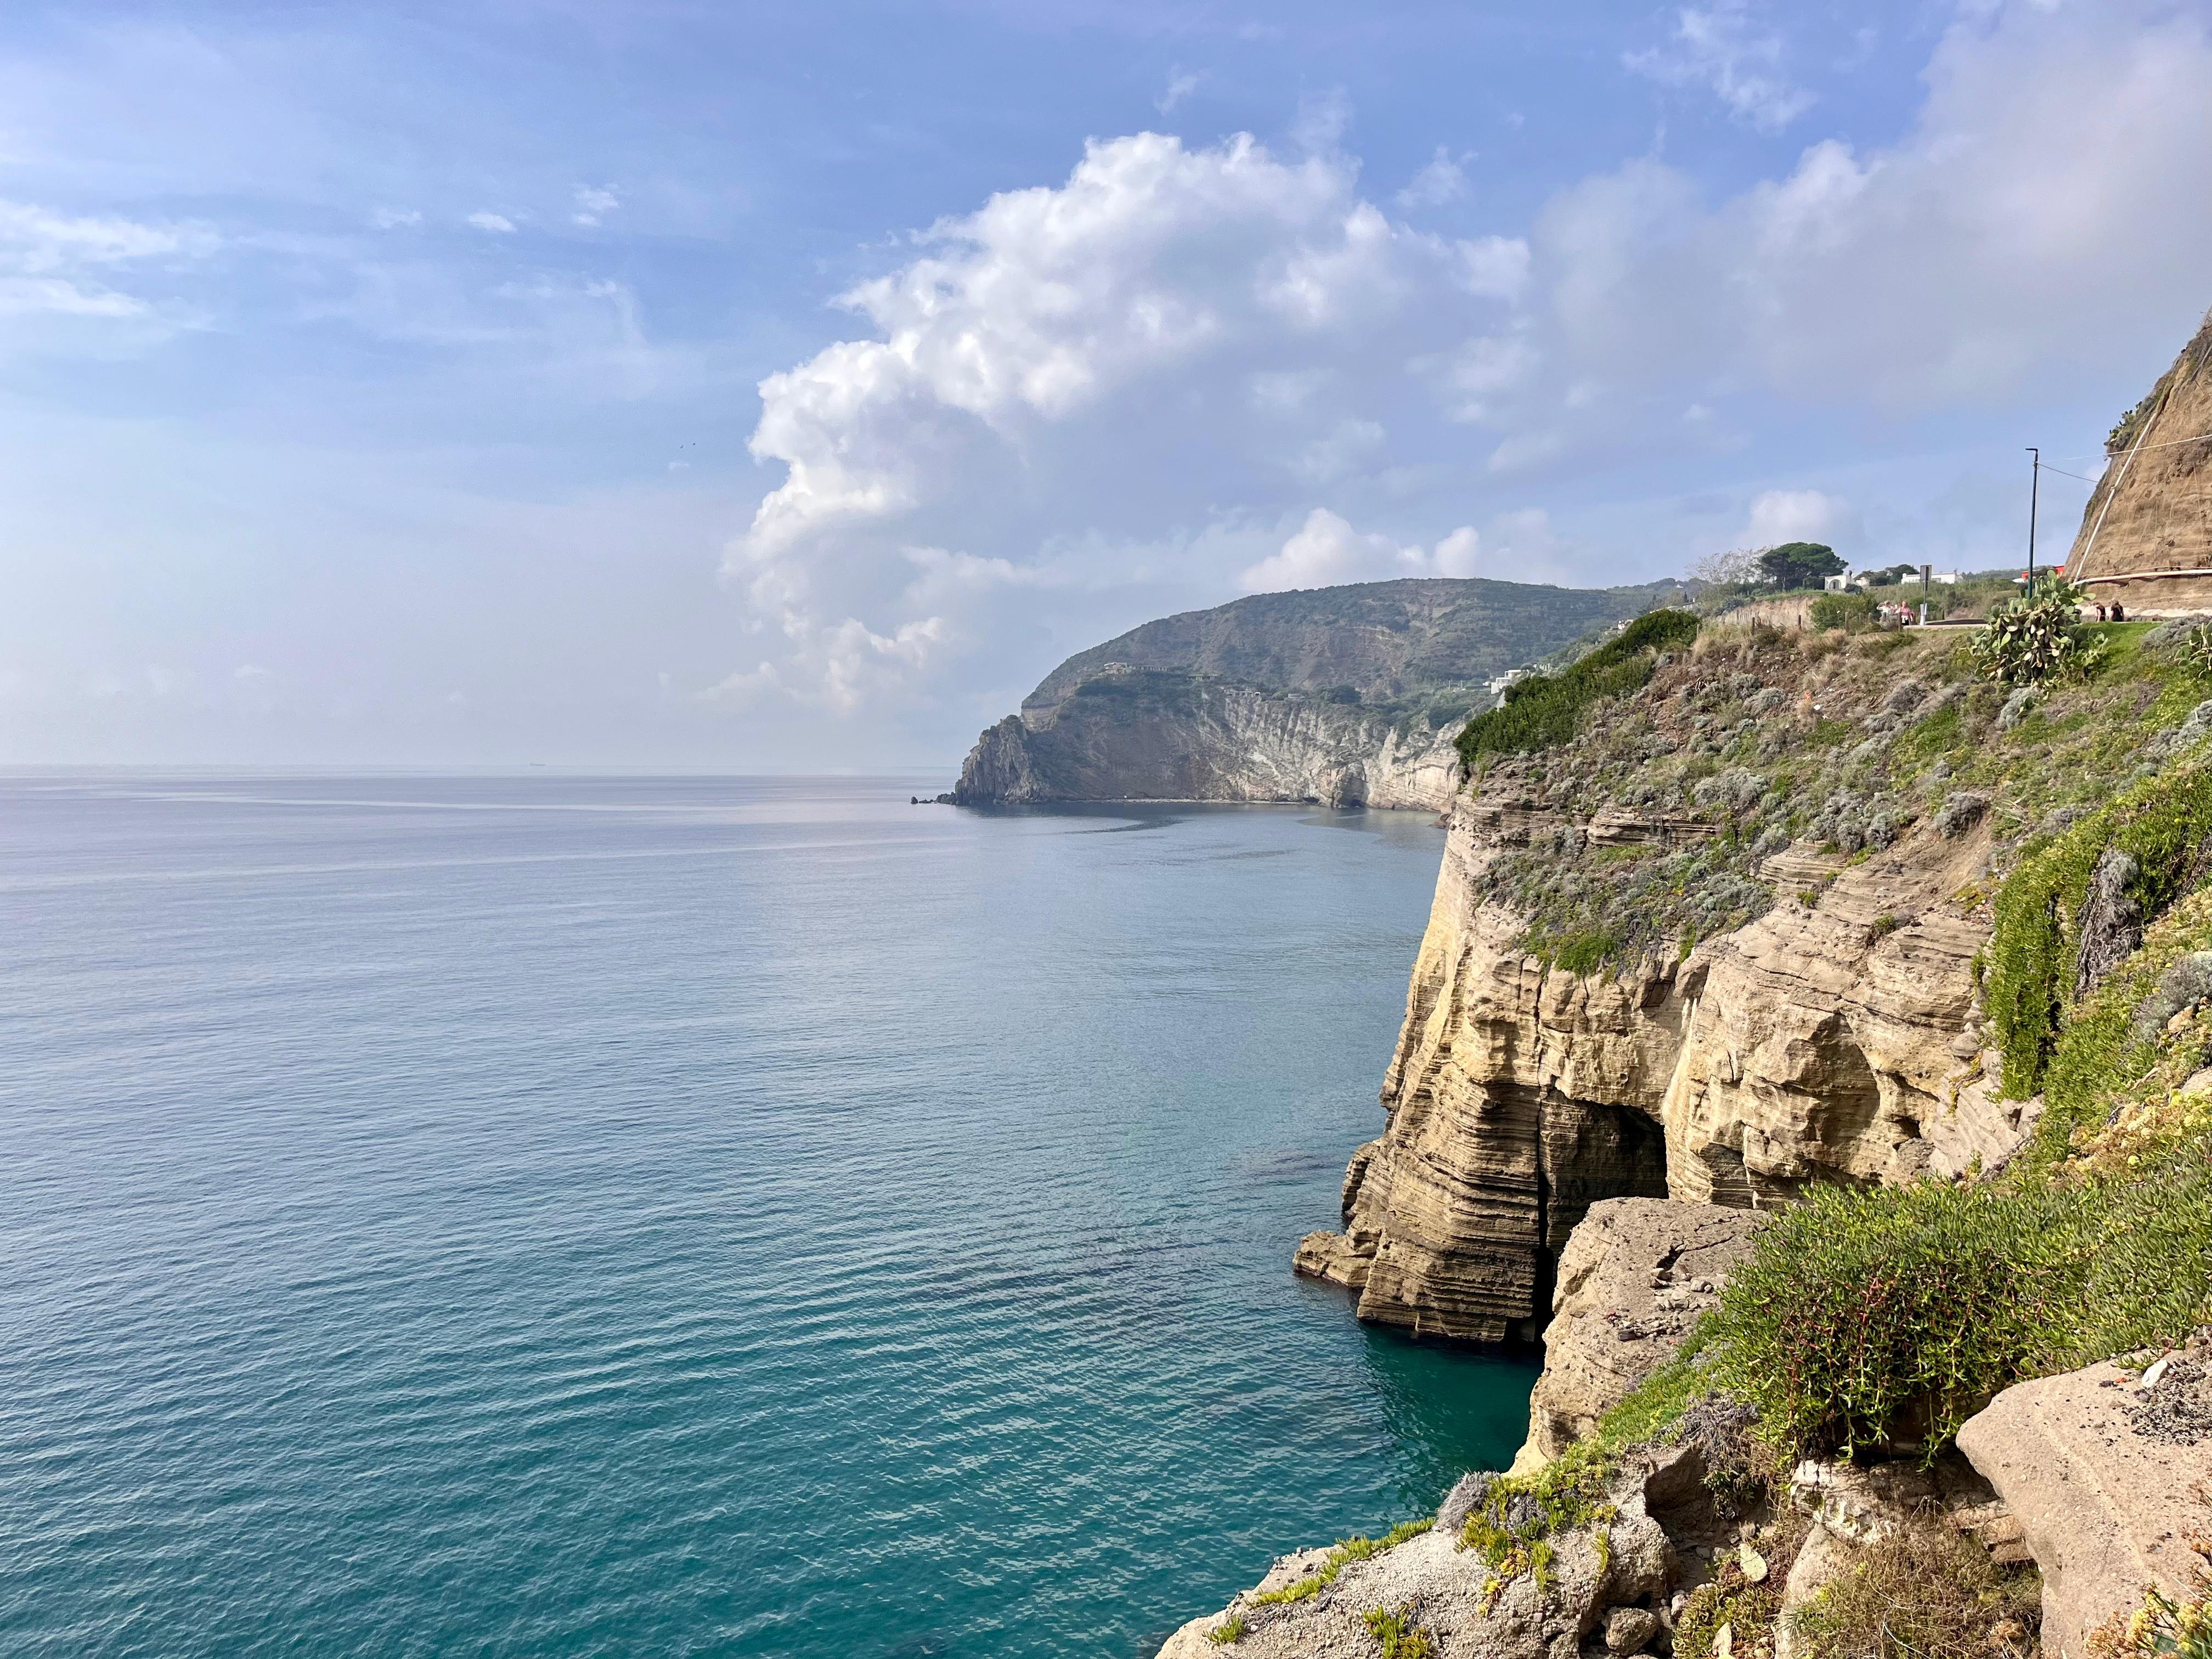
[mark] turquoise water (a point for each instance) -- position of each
(553, 1216)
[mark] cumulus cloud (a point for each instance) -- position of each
(1720, 47)
(1327, 550)
(1103, 355)
(1798, 515)
(593, 204)
(1200, 368)
(497, 224)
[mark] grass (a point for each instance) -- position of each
(1346, 1551)
(1926, 1591)
(1401, 1639)
(1230, 1630)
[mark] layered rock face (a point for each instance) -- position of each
(2145, 537)
(1833, 1038)
(1131, 735)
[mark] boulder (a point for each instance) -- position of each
(2108, 1480)
(1635, 1276)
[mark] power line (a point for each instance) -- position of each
(2174, 443)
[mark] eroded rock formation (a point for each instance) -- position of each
(1633, 1279)
(1833, 1038)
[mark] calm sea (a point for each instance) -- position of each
(561, 1216)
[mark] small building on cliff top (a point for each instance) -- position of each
(2145, 537)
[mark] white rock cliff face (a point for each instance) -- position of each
(1834, 1039)
(1176, 740)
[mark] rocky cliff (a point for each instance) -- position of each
(1135, 734)
(1833, 1038)
(1345, 695)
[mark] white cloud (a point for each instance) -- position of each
(28, 296)
(34, 240)
(1036, 366)
(1327, 550)
(497, 223)
(593, 203)
(1441, 181)
(1720, 48)
(1181, 370)
(1798, 515)
(1181, 83)
(395, 218)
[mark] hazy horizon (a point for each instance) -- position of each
(743, 393)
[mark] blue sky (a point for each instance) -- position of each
(780, 388)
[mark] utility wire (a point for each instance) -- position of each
(2174, 443)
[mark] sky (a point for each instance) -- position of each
(753, 388)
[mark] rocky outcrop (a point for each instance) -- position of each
(1822, 1041)
(2110, 1479)
(1468, 1609)
(1834, 1039)
(1635, 1276)
(1132, 734)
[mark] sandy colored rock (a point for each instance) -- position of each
(1635, 1276)
(1822, 1559)
(1808, 1046)
(2145, 535)
(2106, 1508)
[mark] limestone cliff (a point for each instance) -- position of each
(1345, 696)
(1832, 1036)
(1806, 1045)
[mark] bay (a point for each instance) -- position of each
(548, 1215)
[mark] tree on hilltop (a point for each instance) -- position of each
(1800, 564)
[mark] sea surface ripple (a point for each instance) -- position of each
(560, 1216)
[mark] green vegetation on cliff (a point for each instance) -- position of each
(1544, 709)
(1882, 1317)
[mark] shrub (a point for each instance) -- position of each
(2037, 640)
(1544, 709)
(2164, 1628)
(1862, 1316)
(1230, 1630)
(2164, 826)
(1926, 1591)
(1961, 810)
(1852, 612)
(1894, 1315)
